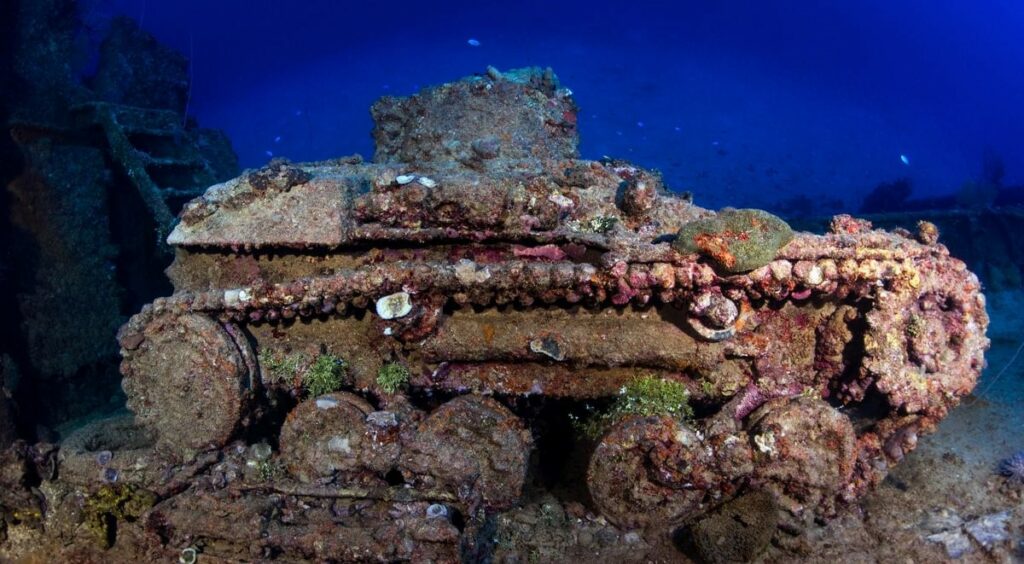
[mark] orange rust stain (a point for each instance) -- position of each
(715, 246)
(741, 320)
(488, 331)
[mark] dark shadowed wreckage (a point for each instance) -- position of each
(354, 355)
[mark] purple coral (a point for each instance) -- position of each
(1013, 467)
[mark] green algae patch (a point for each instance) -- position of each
(113, 503)
(280, 368)
(326, 375)
(735, 240)
(319, 375)
(391, 377)
(645, 396)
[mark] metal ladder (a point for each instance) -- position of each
(155, 152)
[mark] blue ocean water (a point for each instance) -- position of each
(742, 103)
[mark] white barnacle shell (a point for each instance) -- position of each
(467, 273)
(428, 182)
(231, 297)
(339, 444)
(684, 438)
(781, 269)
(395, 305)
(188, 556)
(383, 419)
(405, 178)
(765, 442)
(561, 201)
(436, 511)
(815, 276)
(326, 403)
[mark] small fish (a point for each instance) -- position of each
(905, 160)
(277, 139)
(270, 154)
(473, 42)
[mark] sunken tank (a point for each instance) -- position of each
(383, 324)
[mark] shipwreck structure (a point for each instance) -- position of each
(92, 174)
(352, 359)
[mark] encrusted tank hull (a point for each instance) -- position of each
(387, 330)
(834, 355)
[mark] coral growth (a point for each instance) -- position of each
(735, 240)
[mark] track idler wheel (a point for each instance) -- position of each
(652, 471)
(187, 379)
(335, 436)
(472, 446)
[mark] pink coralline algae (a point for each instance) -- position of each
(547, 252)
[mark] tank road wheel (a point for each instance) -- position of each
(332, 436)
(651, 471)
(473, 446)
(803, 449)
(186, 379)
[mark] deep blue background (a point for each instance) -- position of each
(744, 103)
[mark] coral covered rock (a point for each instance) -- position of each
(735, 240)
